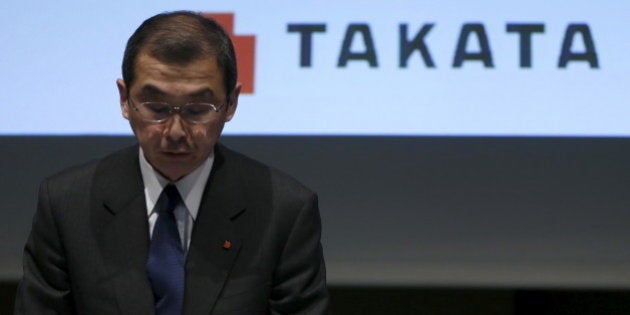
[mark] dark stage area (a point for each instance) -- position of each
(451, 301)
(419, 225)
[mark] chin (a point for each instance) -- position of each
(175, 174)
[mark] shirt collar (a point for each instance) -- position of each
(190, 187)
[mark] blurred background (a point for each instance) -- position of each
(470, 158)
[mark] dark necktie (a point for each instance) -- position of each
(165, 265)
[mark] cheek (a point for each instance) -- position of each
(199, 133)
(148, 134)
(206, 136)
(209, 132)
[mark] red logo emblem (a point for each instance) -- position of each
(245, 46)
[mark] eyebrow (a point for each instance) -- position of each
(153, 90)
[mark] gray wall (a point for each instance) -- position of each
(428, 211)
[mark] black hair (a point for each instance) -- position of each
(181, 37)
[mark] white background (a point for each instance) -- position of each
(59, 61)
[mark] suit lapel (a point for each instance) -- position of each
(214, 245)
(120, 221)
(123, 232)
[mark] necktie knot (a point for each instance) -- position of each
(168, 199)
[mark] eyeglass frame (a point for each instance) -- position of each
(176, 109)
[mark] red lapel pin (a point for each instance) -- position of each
(227, 244)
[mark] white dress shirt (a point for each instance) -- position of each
(190, 188)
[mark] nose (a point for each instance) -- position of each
(175, 129)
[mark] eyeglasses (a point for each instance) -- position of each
(159, 112)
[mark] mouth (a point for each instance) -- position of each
(176, 154)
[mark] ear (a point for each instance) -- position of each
(232, 102)
(122, 92)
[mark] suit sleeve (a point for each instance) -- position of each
(300, 278)
(45, 285)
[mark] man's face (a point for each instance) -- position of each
(176, 147)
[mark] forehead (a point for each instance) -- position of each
(177, 79)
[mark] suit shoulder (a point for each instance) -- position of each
(254, 171)
(75, 173)
(80, 175)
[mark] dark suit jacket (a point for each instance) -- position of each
(89, 243)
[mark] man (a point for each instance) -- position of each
(179, 224)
